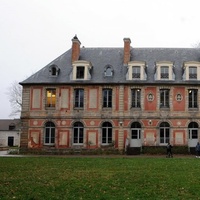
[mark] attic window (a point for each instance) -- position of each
(191, 70)
(164, 70)
(108, 71)
(80, 72)
(53, 70)
(11, 127)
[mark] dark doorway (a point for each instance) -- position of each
(10, 141)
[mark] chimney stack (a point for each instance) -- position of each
(75, 48)
(127, 53)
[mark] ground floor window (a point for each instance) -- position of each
(135, 130)
(78, 133)
(164, 133)
(193, 130)
(49, 137)
(106, 133)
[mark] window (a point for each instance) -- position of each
(108, 70)
(49, 136)
(179, 97)
(192, 98)
(80, 72)
(164, 72)
(135, 130)
(78, 133)
(106, 133)
(51, 98)
(164, 133)
(192, 73)
(136, 72)
(54, 70)
(193, 130)
(164, 98)
(107, 98)
(79, 98)
(11, 127)
(136, 98)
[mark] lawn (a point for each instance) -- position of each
(73, 178)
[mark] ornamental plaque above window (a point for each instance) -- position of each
(150, 97)
(179, 97)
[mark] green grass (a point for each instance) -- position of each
(35, 178)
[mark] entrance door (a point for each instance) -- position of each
(192, 134)
(135, 140)
(10, 141)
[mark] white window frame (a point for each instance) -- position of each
(159, 66)
(131, 65)
(186, 68)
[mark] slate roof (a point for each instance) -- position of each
(6, 123)
(100, 57)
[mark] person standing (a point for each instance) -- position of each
(169, 150)
(197, 150)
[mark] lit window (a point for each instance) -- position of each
(106, 133)
(164, 98)
(164, 133)
(78, 133)
(79, 98)
(80, 72)
(107, 98)
(136, 98)
(51, 98)
(49, 136)
(192, 98)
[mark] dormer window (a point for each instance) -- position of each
(191, 70)
(136, 70)
(54, 70)
(108, 70)
(81, 70)
(11, 126)
(164, 71)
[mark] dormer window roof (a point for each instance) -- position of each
(54, 70)
(81, 70)
(108, 71)
(191, 70)
(164, 70)
(136, 70)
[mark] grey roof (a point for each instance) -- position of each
(6, 123)
(100, 57)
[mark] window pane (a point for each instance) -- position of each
(136, 96)
(51, 97)
(192, 73)
(107, 98)
(80, 72)
(79, 98)
(136, 72)
(164, 72)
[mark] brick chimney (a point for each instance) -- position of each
(75, 48)
(127, 53)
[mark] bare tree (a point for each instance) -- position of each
(15, 98)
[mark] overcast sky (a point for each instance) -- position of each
(35, 32)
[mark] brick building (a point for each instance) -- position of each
(94, 97)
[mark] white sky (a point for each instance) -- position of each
(35, 32)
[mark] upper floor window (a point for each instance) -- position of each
(192, 98)
(49, 135)
(164, 71)
(136, 70)
(51, 97)
(54, 70)
(11, 126)
(191, 70)
(107, 98)
(108, 70)
(192, 73)
(136, 98)
(81, 70)
(79, 98)
(164, 98)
